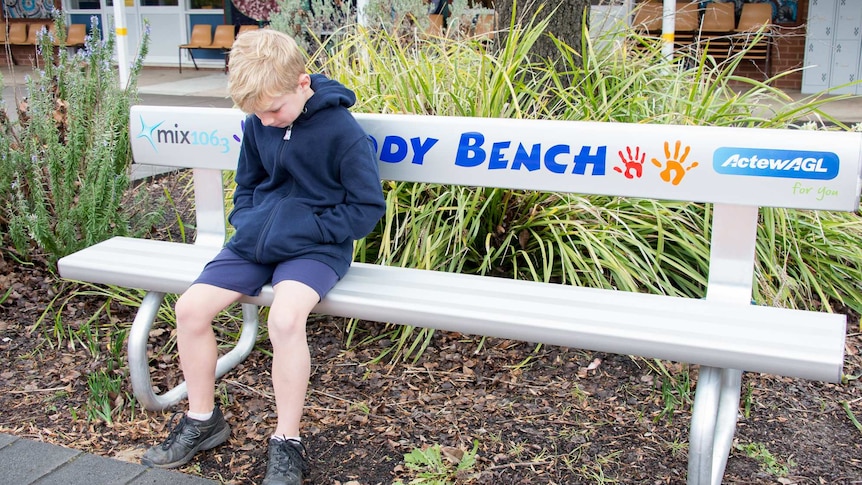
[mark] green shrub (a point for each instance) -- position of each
(806, 259)
(66, 158)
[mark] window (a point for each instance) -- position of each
(159, 3)
(147, 3)
(84, 5)
(197, 4)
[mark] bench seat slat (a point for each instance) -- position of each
(751, 338)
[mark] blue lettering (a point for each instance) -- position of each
(555, 159)
(586, 158)
(470, 153)
(420, 149)
(531, 161)
(394, 149)
(550, 156)
(496, 160)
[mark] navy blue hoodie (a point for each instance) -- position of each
(310, 195)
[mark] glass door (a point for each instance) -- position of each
(161, 17)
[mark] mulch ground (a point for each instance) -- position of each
(544, 414)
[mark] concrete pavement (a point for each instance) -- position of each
(25, 462)
(156, 86)
(167, 86)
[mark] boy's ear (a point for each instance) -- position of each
(304, 80)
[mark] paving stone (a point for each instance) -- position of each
(157, 476)
(30, 462)
(93, 470)
(24, 461)
(6, 439)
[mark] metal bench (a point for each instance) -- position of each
(737, 170)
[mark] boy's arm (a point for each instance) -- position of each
(249, 173)
(363, 204)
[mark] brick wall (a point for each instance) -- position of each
(788, 53)
(22, 54)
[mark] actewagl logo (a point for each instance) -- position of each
(760, 162)
(776, 163)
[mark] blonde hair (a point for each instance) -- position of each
(264, 64)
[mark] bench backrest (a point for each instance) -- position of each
(737, 169)
(741, 166)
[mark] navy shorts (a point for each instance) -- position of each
(231, 272)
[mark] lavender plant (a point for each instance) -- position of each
(313, 22)
(309, 21)
(64, 160)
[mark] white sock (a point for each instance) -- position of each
(199, 416)
(285, 438)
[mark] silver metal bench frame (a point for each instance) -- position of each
(763, 339)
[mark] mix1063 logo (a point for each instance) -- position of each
(159, 134)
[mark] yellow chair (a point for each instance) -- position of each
(648, 16)
(223, 41)
(435, 25)
(686, 25)
(223, 37)
(76, 36)
(246, 28)
(4, 38)
(17, 34)
(754, 20)
(33, 32)
(719, 22)
(201, 38)
(754, 16)
(717, 29)
(486, 26)
(687, 17)
(719, 17)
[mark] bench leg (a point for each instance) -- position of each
(716, 400)
(139, 365)
(713, 424)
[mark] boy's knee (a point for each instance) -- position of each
(191, 315)
(285, 324)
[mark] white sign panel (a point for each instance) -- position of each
(744, 166)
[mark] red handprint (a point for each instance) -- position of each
(633, 165)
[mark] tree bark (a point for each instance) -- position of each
(566, 21)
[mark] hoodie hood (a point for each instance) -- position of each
(327, 94)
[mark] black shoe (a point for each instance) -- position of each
(286, 463)
(187, 438)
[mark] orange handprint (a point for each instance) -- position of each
(674, 168)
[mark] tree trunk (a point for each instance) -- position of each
(565, 24)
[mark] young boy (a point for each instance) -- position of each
(307, 186)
